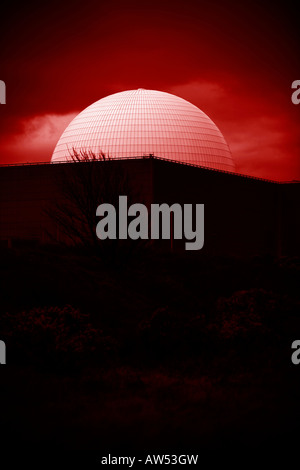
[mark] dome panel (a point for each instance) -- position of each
(137, 123)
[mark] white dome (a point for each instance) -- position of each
(138, 123)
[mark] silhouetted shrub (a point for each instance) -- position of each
(57, 336)
(252, 312)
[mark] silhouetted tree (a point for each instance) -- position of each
(89, 180)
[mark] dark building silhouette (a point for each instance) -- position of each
(244, 216)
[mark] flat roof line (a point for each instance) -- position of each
(153, 157)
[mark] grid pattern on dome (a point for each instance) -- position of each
(140, 122)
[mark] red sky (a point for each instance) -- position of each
(234, 60)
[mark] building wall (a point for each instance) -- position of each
(29, 192)
(243, 215)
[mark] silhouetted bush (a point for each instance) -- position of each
(253, 312)
(54, 336)
(241, 313)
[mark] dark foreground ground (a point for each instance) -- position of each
(165, 353)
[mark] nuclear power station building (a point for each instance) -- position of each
(172, 153)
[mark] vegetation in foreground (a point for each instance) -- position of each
(167, 349)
